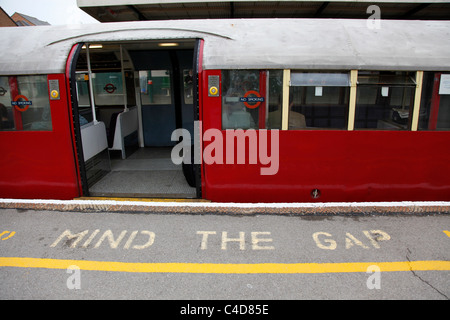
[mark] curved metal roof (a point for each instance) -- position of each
(247, 44)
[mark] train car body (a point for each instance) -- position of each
(276, 110)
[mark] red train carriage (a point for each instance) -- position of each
(259, 111)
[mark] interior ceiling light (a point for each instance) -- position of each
(93, 46)
(168, 44)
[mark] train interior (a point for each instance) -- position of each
(130, 98)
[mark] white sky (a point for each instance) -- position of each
(55, 12)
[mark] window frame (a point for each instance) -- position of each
(343, 79)
(170, 88)
(39, 93)
(353, 85)
(414, 84)
(434, 97)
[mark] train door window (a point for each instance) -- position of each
(384, 100)
(108, 88)
(6, 109)
(435, 102)
(25, 103)
(245, 94)
(237, 85)
(83, 89)
(155, 87)
(188, 86)
(318, 100)
(84, 102)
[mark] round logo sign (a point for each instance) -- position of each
(22, 105)
(252, 96)
(110, 88)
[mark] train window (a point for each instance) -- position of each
(275, 90)
(384, 100)
(237, 114)
(82, 81)
(188, 86)
(245, 94)
(318, 100)
(435, 103)
(155, 87)
(108, 88)
(24, 103)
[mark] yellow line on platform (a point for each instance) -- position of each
(143, 199)
(282, 268)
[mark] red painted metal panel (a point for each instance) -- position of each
(435, 100)
(211, 115)
(343, 165)
(40, 164)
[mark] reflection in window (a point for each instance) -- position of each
(108, 88)
(435, 102)
(82, 82)
(318, 100)
(6, 110)
(155, 87)
(235, 113)
(24, 103)
(384, 100)
(188, 86)
(84, 103)
(275, 90)
(251, 99)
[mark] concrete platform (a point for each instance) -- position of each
(193, 206)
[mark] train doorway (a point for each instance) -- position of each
(127, 99)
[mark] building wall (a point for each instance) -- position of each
(24, 20)
(5, 20)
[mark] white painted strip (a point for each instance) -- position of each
(230, 204)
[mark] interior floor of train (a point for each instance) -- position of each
(148, 172)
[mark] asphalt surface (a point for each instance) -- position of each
(174, 242)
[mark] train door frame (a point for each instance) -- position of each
(75, 123)
(197, 168)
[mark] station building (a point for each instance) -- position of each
(132, 10)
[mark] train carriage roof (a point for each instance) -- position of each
(247, 44)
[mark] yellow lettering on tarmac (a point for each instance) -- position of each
(77, 237)
(256, 241)
(350, 240)
(330, 243)
(151, 239)
(375, 236)
(112, 242)
(11, 234)
(324, 240)
(204, 243)
(73, 239)
(241, 240)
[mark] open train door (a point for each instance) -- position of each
(193, 171)
(159, 93)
